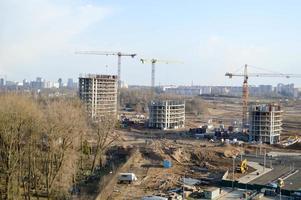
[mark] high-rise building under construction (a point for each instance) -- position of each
(99, 93)
(265, 123)
(167, 114)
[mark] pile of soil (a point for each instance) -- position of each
(205, 156)
(150, 154)
(180, 155)
(229, 153)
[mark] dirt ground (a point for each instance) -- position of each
(228, 110)
(199, 160)
(193, 158)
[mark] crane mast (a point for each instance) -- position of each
(245, 98)
(245, 89)
(153, 62)
(153, 73)
(108, 53)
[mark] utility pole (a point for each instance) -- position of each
(264, 159)
(183, 192)
(233, 169)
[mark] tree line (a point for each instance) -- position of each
(138, 99)
(43, 144)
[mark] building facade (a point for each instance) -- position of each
(168, 114)
(265, 123)
(99, 93)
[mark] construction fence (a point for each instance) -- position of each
(257, 187)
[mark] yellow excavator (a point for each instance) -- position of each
(242, 167)
(280, 182)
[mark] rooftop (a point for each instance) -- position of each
(98, 76)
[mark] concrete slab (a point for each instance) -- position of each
(232, 194)
(276, 154)
(259, 171)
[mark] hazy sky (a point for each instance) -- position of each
(39, 37)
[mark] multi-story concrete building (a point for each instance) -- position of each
(70, 83)
(2, 82)
(168, 114)
(265, 123)
(285, 90)
(99, 93)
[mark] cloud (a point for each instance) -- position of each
(33, 29)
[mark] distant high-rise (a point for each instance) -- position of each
(99, 93)
(286, 90)
(37, 84)
(60, 81)
(2, 82)
(26, 83)
(70, 83)
(39, 79)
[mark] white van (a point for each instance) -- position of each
(127, 178)
(154, 198)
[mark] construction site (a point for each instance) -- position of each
(230, 149)
(150, 100)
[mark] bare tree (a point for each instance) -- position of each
(63, 127)
(18, 117)
(105, 135)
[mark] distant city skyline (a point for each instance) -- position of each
(39, 38)
(65, 82)
(283, 90)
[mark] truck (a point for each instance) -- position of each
(127, 178)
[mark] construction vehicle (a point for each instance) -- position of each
(280, 183)
(127, 178)
(245, 90)
(242, 167)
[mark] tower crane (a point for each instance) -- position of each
(245, 90)
(153, 62)
(108, 53)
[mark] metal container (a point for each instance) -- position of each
(167, 164)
